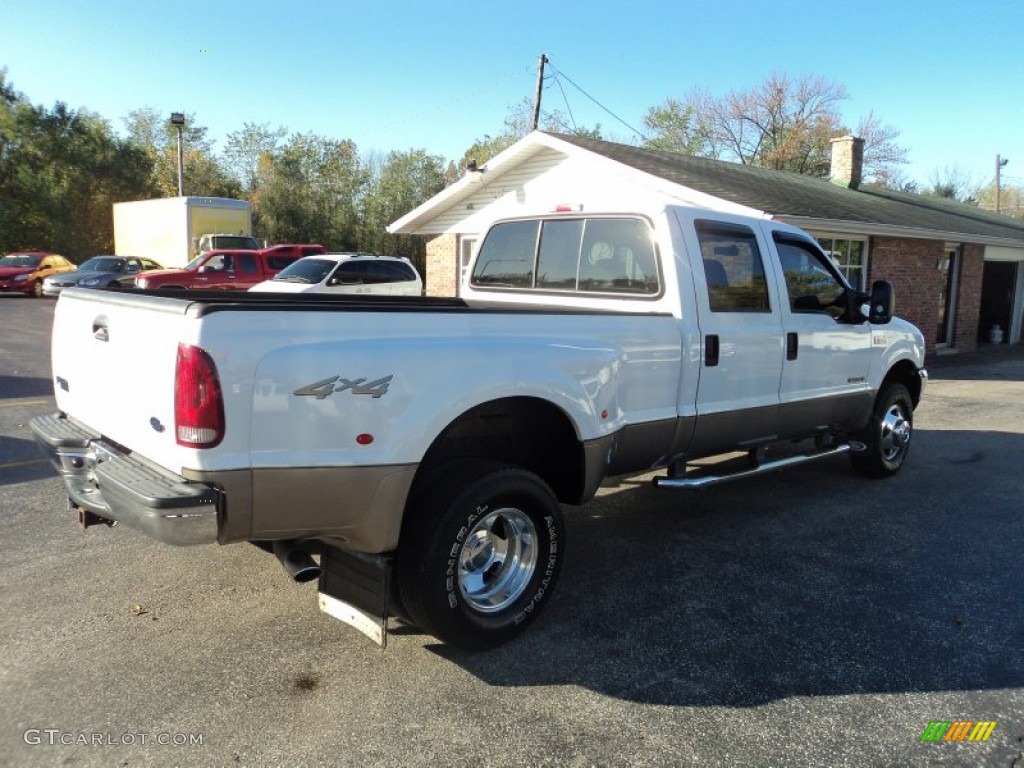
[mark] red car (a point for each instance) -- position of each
(226, 270)
(24, 272)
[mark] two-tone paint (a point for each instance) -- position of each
(629, 374)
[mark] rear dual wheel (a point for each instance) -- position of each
(480, 553)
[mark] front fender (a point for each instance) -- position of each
(897, 340)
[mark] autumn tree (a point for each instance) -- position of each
(782, 123)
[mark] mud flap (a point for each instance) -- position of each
(354, 589)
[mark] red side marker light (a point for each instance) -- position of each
(364, 439)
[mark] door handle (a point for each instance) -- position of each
(100, 332)
(792, 346)
(711, 350)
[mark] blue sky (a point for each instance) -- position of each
(439, 74)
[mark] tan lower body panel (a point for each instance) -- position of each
(360, 506)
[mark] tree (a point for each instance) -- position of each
(781, 123)
(309, 191)
(954, 183)
(60, 171)
(244, 149)
(150, 130)
(1011, 199)
(398, 184)
(672, 128)
(519, 122)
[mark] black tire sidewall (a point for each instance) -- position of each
(873, 462)
(429, 556)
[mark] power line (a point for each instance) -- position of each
(598, 103)
(566, 100)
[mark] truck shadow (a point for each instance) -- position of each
(999, 363)
(21, 461)
(25, 386)
(809, 582)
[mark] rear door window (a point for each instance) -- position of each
(733, 268)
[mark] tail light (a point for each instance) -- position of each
(198, 404)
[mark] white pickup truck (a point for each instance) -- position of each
(421, 448)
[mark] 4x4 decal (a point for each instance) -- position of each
(326, 387)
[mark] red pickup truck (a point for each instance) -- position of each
(230, 270)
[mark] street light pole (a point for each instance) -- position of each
(1000, 163)
(178, 121)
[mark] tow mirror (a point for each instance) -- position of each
(883, 302)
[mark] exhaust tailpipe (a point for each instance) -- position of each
(296, 561)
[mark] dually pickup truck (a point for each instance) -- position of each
(421, 447)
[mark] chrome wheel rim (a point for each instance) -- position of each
(896, 431)
(497, 559)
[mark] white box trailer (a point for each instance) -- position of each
(168, 229)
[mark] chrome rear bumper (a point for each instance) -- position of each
(121, 487)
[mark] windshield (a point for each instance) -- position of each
(20, 261)
(102, 264)
(306, 270)
(193, 265)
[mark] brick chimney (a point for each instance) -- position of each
(847, 161)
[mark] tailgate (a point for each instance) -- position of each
(114, 357)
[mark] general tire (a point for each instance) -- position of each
(480, 553)
(889, 434)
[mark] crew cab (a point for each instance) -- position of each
(225, 269)
(422, 447)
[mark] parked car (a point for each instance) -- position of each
(100, 272)
(25, 272)
(226, 270)
(347, 273)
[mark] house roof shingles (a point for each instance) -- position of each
(786, 194)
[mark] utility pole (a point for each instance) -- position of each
(1000, 163)
(541, 61)
(178, 121)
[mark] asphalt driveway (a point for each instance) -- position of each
(812, 617)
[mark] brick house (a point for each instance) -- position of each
(958, 270)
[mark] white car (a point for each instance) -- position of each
(346, 273)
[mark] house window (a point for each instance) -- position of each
(851, 256)
(466, 246)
